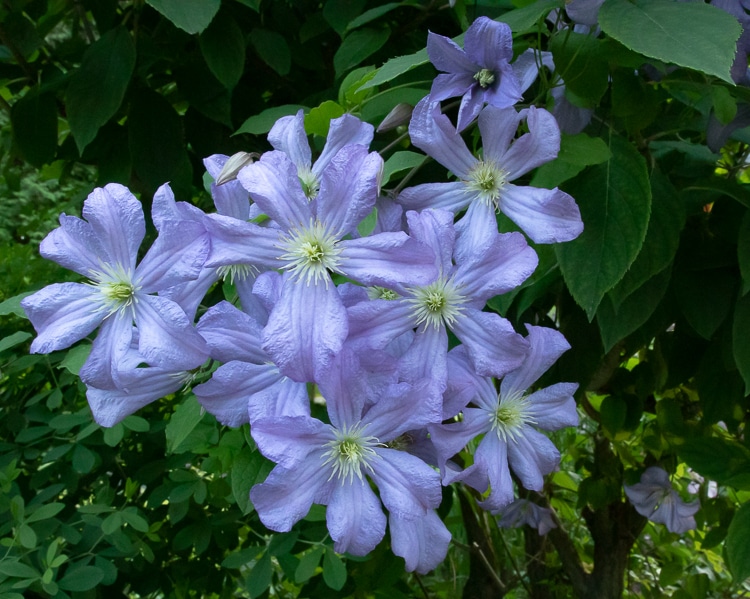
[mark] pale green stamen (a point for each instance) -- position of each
(309, 182)
(485, 78)
(116, 287)
(510, 416)
(437, 303)
(381, 293)
(487, 180)
(310, 253)
(236, 272)
(350, 453)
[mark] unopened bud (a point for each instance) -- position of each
(234, 165)
(400, 115)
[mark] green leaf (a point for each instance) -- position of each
(185, 418)
(725, 106)
(334, 570)
(357, 46)
(259, 578)
(254, 4)
(13, 340)
(318, 120)
(397, 66)
(339, 13)
(740, 335)
(75, 358)
(223, 46)
(263, 122)
(45, 512)
(308, 564)
(615, 202)
(9, 567)
(661, 241)
(368, 223)
(83, 459)
(400, 162)
(247, 470)
(27, 536)
(132, 518)
(112, 523)
(192, 16)
(688, 34)
(81, 579)
(523, 19)
(580, 62)
(34, 122)
(576, 153)
(726, 462)
(272, 49)
(349, 94)
(372, 14)
(705, 295)
(98, 87)
(738, 549)
(743, 254)
(13, 305)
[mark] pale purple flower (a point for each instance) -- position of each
(524, 512)
(480, 72)
(507, 420)
(330, 464)
(655, 498)
(484, 186)
(308, 324)
(104, 248)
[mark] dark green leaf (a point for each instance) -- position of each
(44, 512)
(13, 305)
(247, 470)
(738, 549)
(10, 567)
(192, 16)
(34, 122)
(372, 14)
(743, 253)
(81, 579)
(692, 34)
(98, 86)
(223, 47)
(26, 536)
(725, 106)
(13, 340)
(339, 13)
(705, 296)
(397, 66)
(740, 336)
(185, 418)
(74, 359)
(272, 49)
(400, 162)
(726, 462)
(576, 153)
(357, 46)
(615, 203)
(334, 570)
(259, 578)
(522, 19)
(262, 123)
(580, 62)
(308, 563)
(83, 459)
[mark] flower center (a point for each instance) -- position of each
(236, 272)
(510, 415)
(349, 453)
(381, 293)
(485, 78)
(309, 182)
(116, 287)
(310, 253)
(487, 180)
(437, 303)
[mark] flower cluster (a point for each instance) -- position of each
(362, 319)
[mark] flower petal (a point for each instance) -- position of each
(345, 130)
(448, 56)
(453, 196)
(288, 135)
(545, 215)
(422, 542)
(354, 518)
(532, 456)
(408, 486)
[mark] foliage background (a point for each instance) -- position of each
(653, 297)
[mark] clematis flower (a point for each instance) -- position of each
(330, 464)
(308, 324)
(104, 248)
(508, 421)
(655, 498)
(523, 511)
(484, 186)
(480, 72)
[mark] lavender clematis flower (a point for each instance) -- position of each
(545, 215)
(655, 498)
(330, 464)
(308, 324)
(523, 511)
(104, 247)
(508, 421)
(480, 72)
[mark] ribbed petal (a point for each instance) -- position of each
(291, 440)
(107, 352)
(422, 542)
(526, 67)
(75, 246)
(492, 457)
(532, 456)
(546, 345)
(287, 495)
(465, 385)
(377, 323)
(447, 56)
(284, 398)
(553, 407)
(498, 127)
(425, 361)
(167, 337)
(494, 347)
(62, 314)
(453, 196)
(306, 329)
(539, 146)
(391, 260)
(348, 189)
(676, 514)
(288, 136)
(451, 85)
(232, 335)
(433, 133)
(471, 106)
(338, 384)
(274, 185)
(116, 217)
(354, 517)
(165, 210)
(190, 294)
(545, 215)
(345, 130)
(488, 43)
(237, 242)
(403, 408)
(227, 394)
(407, 485)
(435, 229)
(450, 439)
